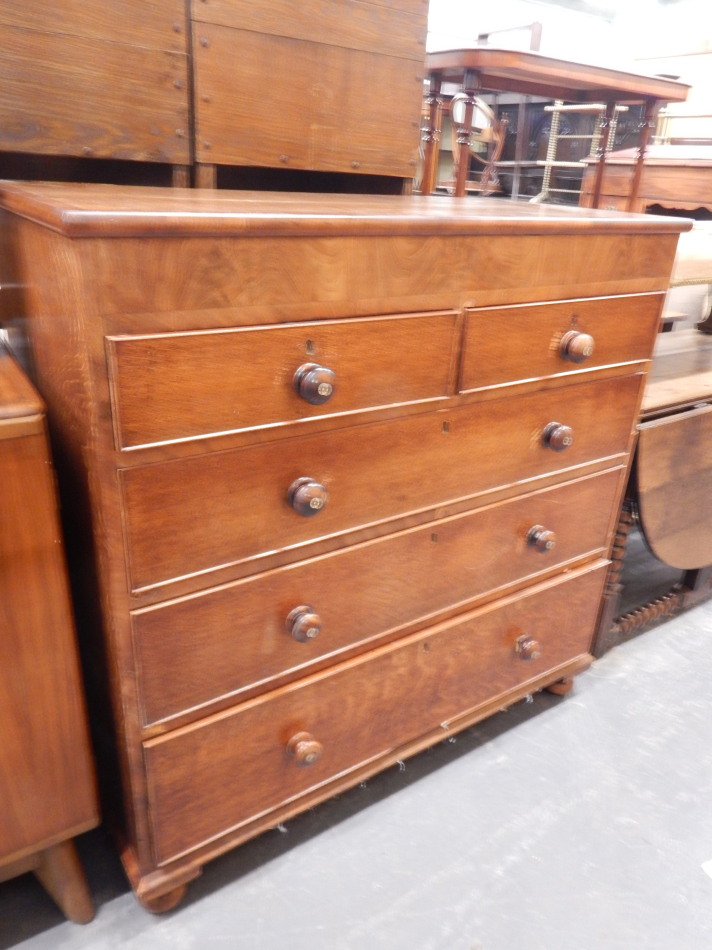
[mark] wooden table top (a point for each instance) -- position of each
(681, 373)
(90, 210)
(532, 73)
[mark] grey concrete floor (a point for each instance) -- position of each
(574, 823)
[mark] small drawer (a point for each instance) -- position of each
(177, 386)
(509, 344)
(189, 516)
(207, 779)
(282, 623)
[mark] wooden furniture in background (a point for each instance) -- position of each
(669, 492)
(334, 85)
(47, 793)
(95, 80)
(168, 92)
(673, 176)
(486, 69)
(352, 483)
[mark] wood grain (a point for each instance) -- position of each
(375, 474)
(46, 769)
(358, 710)
(70, 95)
(494, 355)
(227, 643)
(156, 24)
(377, 362)
(343, 122)
(675, 462)
(396, 29)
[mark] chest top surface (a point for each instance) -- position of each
(88, 210)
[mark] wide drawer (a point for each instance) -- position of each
(207, 779)
(507, 344)
(185, 385)
(192, 515)
(215, 644)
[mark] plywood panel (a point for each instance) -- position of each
(387, 29)
(62, 95)
(334, 110)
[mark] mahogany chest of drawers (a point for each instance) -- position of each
(348, 467)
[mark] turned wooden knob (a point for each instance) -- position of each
(303, 623)
(314, 383)
(541, 539)
(304, 749)
(576, 346)
(307, 496)
(527, 647)
(557, 436)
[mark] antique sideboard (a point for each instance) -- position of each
(347, 469)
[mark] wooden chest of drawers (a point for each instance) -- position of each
(351, 467)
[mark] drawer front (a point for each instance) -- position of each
(185, 385)
(213, 777)
(220, 642)
(506, 344)
(192, 515)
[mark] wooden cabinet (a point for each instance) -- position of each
(352, 466)
(46, 769)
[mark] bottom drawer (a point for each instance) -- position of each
(212, 777)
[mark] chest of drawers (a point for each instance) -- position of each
(346, 470)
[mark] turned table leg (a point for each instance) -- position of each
(61, 874)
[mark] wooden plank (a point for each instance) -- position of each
(63, 95)
(330, 114)
(156, 24)
(352, 24)
(674, 471)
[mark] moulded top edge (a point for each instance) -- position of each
(88, 210)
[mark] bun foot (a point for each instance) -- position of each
(561, 687)
(164, 902)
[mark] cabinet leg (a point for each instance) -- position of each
(60, 873)
(206, 176)
(561, 687)
(164, 902)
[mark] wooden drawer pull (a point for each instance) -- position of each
(527, 647)
(557, 436)
(304, 623)
(541, 539)
(307, 496)
(576, 346)
(304, 749)
(316, 384)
